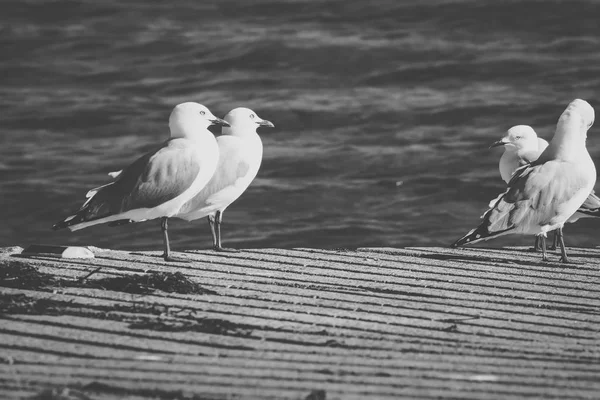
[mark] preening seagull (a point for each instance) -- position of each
(160, 182)
(241, 152)
(522, 146)
(543, 195)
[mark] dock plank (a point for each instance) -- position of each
(415, 323)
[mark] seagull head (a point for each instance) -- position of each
(244, 121)
(189, 118)
(518, 138)
(585, 111)
(575, 121)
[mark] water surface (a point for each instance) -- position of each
(383, 110)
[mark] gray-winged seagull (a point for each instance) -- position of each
(543, 195)
(160, 182)
(522, 146)
(241, 154)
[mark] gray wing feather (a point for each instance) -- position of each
(151, 180)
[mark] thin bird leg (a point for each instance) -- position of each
(219, 219)
(211, 223)
(164, 226)
(563, 250)
(536, 244)
(554, 244)
(218, 247)
(543, 240)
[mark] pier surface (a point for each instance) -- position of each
(414, 323)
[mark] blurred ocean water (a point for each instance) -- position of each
(384, 110)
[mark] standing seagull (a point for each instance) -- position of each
(241, 154)
(522, 146)
(157, 184)
(543, 195)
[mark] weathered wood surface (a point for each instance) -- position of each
(415, 323)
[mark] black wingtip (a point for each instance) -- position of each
(60, 225)
(468, 238)
(479, 233)
(592, 213)
(120, 222)
(71, 220)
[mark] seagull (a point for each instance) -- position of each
(522, 146)
(160, 182)
(543, 195)
(241, 152)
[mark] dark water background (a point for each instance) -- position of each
(383, 109)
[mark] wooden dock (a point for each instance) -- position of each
(414, 323)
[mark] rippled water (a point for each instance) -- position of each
(383, 109)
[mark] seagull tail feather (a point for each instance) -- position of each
(590, 212)
(70, 220)
(115, 174)
(120, 222)
(591, 206)
(480, 233)
(93, 209)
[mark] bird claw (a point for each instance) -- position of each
(225, 249)
(567, 260)
(170, 258)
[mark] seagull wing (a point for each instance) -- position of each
(233, 175)
(153, 179)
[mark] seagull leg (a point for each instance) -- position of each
(211, 223)
(554, 244)
(217, 246)
(536, 244)
(164, 226)
(563, 250)
(543, 240)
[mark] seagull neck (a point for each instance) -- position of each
(564, 146)
(528, 152)
(241, 132)
(509, 149)
(196, 134)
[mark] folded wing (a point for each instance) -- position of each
(150, 181)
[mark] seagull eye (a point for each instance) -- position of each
(518, 137)
(202, 112)
(252, 116)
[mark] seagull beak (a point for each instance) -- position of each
(219, 121)
(498, 143)
(264, 122)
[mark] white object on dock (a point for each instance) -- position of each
(58, 251)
